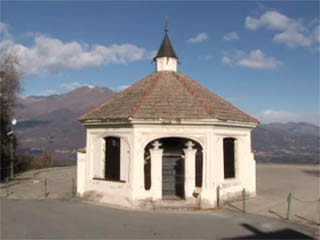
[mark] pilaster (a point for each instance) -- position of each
(190, 170)
(156, 171)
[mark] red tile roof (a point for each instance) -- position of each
(167, 95)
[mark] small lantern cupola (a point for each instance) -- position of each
(166, 59)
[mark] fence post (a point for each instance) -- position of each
(319, 211)
(45, 187)
(7, 186)
(244, 200)
(73, 187)
(218, 196)
(289, 205)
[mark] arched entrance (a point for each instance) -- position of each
(173, 166)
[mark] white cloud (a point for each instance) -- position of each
(226, 60)
(292, 32)
(273, 20)
(231, 36)
(74, 85)
(51, 55)
(293, 39)
(255, 60)
(316, 34)
(120, 88)
(269, 116)
(48, 92)
(199, 38)
(6, 38)
(4, 30)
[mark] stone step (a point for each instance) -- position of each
(175, 205)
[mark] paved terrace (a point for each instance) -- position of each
(266, 212)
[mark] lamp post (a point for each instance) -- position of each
(10, 134)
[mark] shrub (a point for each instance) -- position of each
(43, 161)
(21, 164)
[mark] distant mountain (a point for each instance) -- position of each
(51, 123)
(287, 142)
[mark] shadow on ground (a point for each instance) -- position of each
(314, 173)
(286, 233)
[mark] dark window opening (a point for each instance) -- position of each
(229, 161)
(199, 167)
(112, 163)
(147, 171)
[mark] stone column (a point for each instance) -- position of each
(189, 170)
(156, 171)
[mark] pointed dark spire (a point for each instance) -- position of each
(166, 49)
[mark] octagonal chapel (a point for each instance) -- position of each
(166, 140)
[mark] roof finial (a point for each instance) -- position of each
(166, 24)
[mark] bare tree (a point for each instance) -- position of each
(9, 88)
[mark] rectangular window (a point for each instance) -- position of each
(229, 158)
(112, 163)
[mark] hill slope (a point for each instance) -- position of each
(51, 122)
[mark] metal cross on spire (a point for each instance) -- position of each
(166, 29)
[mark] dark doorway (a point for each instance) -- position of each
(112, 168)
(172, 176)
(173, 168)
(228, 152)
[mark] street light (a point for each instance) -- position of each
(10, 134)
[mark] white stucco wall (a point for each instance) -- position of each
(131, 191)
(81, 172)
(108, 191)
(166, 64)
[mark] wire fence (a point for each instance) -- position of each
(307, 210)
(43, 183)
(313, 204)
(40, 188)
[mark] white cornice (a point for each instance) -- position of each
(197, 122)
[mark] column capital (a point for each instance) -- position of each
(189, 151)
(156, 151)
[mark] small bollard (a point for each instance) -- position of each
(289, 205)
(218, 196)
(73, 188)
(45, 187)
(7, 186)
(244, 200)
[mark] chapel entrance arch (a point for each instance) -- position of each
(173, 166)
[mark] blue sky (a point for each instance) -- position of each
(261, 56)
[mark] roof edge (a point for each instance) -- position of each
(134, 121)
